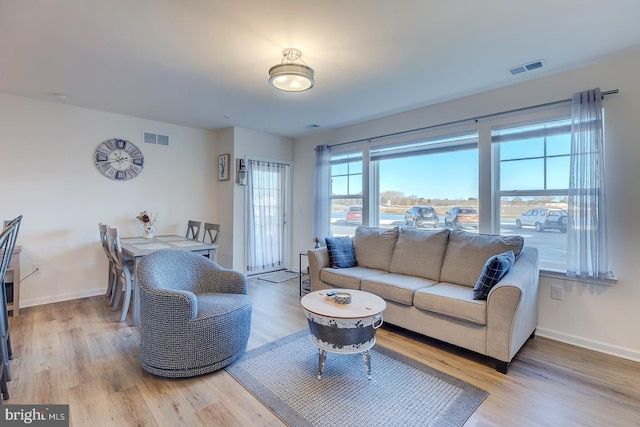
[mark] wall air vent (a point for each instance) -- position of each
(149, 138)
(152, 138)
(519, 69)
(163, 140)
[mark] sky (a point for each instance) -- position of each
(451, 175)
(454, 175)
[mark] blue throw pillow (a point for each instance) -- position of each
(494, 269)
(341, 254)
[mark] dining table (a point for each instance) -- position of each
(135, 248)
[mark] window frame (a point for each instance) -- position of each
(498, 193)
(343, 157)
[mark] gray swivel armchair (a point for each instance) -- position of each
(195, 316)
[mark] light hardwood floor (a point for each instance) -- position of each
(76, 353)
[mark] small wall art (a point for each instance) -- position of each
(223, 167)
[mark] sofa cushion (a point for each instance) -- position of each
(467, 253)
(494, 269)
(394, 287)
(347, 277)
(374, 246)
(451, 300)
(419, 253)
(341, 254)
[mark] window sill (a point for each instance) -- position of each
(563, 276)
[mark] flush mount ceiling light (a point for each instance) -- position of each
(289, 76)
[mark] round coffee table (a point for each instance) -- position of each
(343, 328)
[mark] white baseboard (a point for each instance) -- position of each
(31, 302)
(614, 350)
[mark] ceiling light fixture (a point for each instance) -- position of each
(289, 76)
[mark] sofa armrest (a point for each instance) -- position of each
(318, 259)
(512, 307)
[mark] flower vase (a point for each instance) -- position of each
(148, 231)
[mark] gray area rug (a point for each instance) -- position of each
(279, 276)
(402, 392)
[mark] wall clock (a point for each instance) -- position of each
(119, 159)
(223, 167)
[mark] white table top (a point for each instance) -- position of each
(363, 304)
(139, 246)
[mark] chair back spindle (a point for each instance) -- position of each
(123, 273)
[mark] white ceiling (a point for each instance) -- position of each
(204, 63)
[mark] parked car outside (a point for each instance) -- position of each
(461, 217)
(543, 219)
(354, 214)
(421, 216)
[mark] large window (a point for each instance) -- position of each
(422, 183)
(346, 193)
(533, 169)
(430, 183)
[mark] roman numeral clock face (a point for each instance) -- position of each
(119, 159)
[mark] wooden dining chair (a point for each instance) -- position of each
(211, 231)
(124, 273)
(112, 267)
(193, 230)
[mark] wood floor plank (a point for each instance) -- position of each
(77, 353)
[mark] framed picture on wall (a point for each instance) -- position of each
(223, 167)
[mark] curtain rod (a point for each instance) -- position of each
(515, 110)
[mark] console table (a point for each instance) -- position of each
(14, 270)
(301, 275)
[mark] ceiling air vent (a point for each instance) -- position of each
(152, 138)
(517, 70)
(526, 67)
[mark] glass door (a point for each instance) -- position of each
(267, 228)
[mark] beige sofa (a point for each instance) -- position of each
(427, 279)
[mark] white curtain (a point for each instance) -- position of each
(266, 186)
(322, 194)
(587, 240)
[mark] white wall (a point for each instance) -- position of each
(225, 204)
(47, 167)
(593, 316)
(48, 176)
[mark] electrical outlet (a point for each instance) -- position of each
(556, 292)
(37, 269)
